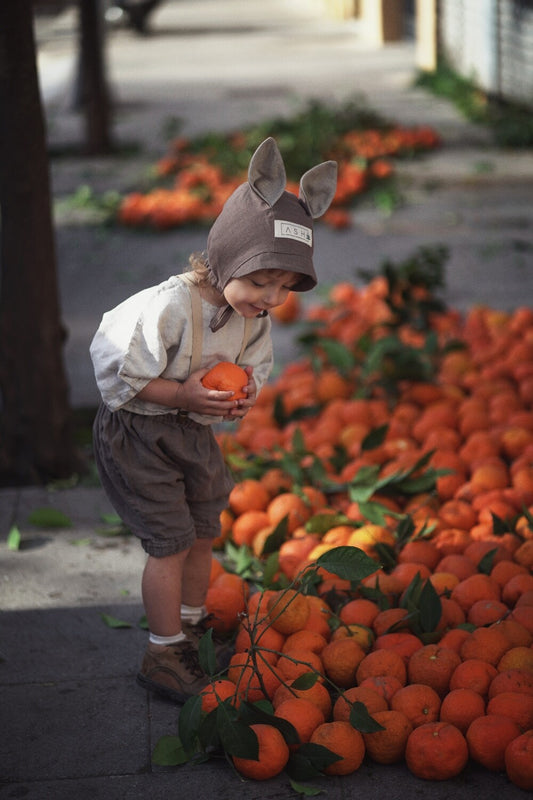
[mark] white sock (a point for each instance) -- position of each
(167, 640)
(193, 614)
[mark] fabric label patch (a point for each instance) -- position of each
(291, 230)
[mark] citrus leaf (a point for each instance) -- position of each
(274, 540)
(321, 523)
(237, 738)
(13, 538)
(487, 562)
(49, 518)
(189, 720)
(349, 563)
(361, 720)
(338, 354)
(206, 653)
(252, 714)
(114, 622)
(430, 608)
(318, 755)
(308, 791)
(305, 681)
(374, 438)
(169, 752)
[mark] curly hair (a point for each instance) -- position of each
(199, 265)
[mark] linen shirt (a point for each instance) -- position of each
(150, 335)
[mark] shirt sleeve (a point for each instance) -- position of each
(135, 341)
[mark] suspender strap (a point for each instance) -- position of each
(197, 334)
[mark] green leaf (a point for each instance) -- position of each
(143, 623)
(486, 563)
(349, 563)
(274, 541)
(338, 355)
(374, 438)
(206, 653)
(318, 755)
(13, 538)
(301, 768)
(430, 608)
(308, 791)
(114, 622)
(169, 752)
(361, 720)
(499, 525)
(253, 714)
(189, 720)
(49, 518)
(237, 738)
(270, 569)
(305, 681)
(321, 523)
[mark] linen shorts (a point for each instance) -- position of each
(165, 476)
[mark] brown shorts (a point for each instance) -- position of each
(165, 476)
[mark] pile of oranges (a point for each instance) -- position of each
(343, 661)
(201, 187)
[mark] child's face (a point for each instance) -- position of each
(259, 291)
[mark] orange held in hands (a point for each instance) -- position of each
(227, 377)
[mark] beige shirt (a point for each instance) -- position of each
(150, 335)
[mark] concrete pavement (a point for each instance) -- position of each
(74, 721)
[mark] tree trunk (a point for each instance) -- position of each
(94, 95)
(36, 443)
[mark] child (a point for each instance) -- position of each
(154, 446)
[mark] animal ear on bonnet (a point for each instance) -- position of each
(267, 177)
(266, 172)
(318, 186)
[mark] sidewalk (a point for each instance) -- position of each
(74, 721)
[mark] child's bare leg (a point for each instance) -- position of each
(196, 573)
(162, 591)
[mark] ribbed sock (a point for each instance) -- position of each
(193, 614)
(167, 640)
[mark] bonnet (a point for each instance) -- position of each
(262, 226)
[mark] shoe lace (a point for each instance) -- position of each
(200, 628)
(189, 657)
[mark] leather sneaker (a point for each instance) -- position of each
(174, 671)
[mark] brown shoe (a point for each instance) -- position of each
(174, 671)
(223, 646)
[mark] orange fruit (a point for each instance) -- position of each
(460, 707)
(420, 551)
(419, 703)
(516, 658)
(263, 635)
(290, 505)
(372, 700)
(515, 705)
(403, 643)
(254, 680)
(387, 746)
(381, 663)
(433, 665)
(227, 377)
(316, 694)
(523, 615)
(487, 644)
(247, 525)
(293, 552)
(475, 587)
(359, 611)
(341, 659)
(224, 604)
(272, 757)
(457, 564)
(341, 738)
(516, 587)
(319, 614)
(293, 663)
(248, 495)
(307, 640)
(288, 611)
(503, 571)
(474, 674)
(517, 634)
(487, 738)
(512, 680)
(390, 619)
(454, 638)
(436, 751)
(217, 691)
(302, 714)
(486, 612)
(385, 685)
(518, 759)
(359, 633)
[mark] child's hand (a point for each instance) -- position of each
(244, 405)
(194, 396)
